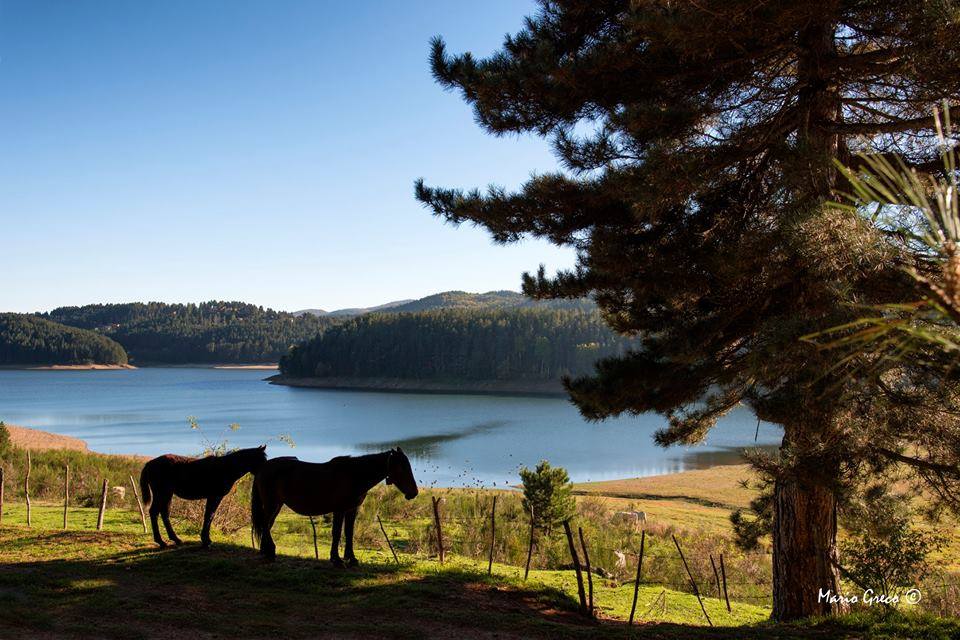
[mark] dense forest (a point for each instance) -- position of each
(28, 339)
(489, 300)
(210, 332)
(525, 343)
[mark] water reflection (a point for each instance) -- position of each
(428, 445)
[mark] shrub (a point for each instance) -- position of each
(885, 552)
(5, 443)
(548, 491)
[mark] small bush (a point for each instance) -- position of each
(890, 564)
(885, 552)
(548, 491)
(5, 443)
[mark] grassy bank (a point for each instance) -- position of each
(693, 506)
(116, 584)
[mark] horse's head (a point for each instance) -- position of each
(253, 458)
(400, 474)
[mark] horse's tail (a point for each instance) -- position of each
(145, 487)
(258, 517)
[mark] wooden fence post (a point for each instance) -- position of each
(1, 494)
(586, 559)
(103, 505)
(693, 583)
(526, 572)
(723, 574)
(66, 493)
(576, 566)
(387, 538)
(316, 549)
(493, 533)
(716, 575)
(136, 494)
(636, 584)
(26, 487)
(436, 519)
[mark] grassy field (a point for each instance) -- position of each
(54, 582)
(115, 583)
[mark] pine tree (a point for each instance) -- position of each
(699, 142)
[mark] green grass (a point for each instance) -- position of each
(70, 583)
(87, 472)
(714, 487)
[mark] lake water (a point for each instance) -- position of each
(453, 440)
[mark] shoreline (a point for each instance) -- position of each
(631, 488)
(130, 367)
(67, 367)
(552, 389)
(40, 440)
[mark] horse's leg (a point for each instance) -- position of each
(267, 545)
(335, 534)
(208, 511)
(154, 514)
(165, 514)
(349, 518)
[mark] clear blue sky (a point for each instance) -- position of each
(260, 151)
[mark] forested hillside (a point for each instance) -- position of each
(527, 343)
(211, 332)
(489, 300)
(28, 339)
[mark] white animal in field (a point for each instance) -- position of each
(118, 493)
(621, 559)
(635, 517)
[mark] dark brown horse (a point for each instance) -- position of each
(311, 489)
(209, 478)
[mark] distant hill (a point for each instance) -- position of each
(31, 340)
(489, 300)
(240, 333)
(455, 300)
(210, 332)
(351, 312)
(520, 343)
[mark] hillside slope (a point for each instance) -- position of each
(30, 340)
(210, 332)
(529, 344)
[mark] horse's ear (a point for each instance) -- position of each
(263, 447)
(399, 450)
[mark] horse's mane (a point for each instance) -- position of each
(242, 452)
(363, 458)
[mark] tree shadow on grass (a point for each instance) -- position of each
(131, 591)
(229, 591)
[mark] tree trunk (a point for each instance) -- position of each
(804, 550)
(805, 574)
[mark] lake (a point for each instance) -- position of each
(453, 440)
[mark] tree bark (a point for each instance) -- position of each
(804, 550)
(805, 573)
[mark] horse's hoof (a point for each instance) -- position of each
(205, 545)
(178, 542)
(352, 562)
(162, 545)
(337, 562)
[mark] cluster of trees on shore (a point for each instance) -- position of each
(528, 343)
(27, 339)
(210, 332)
